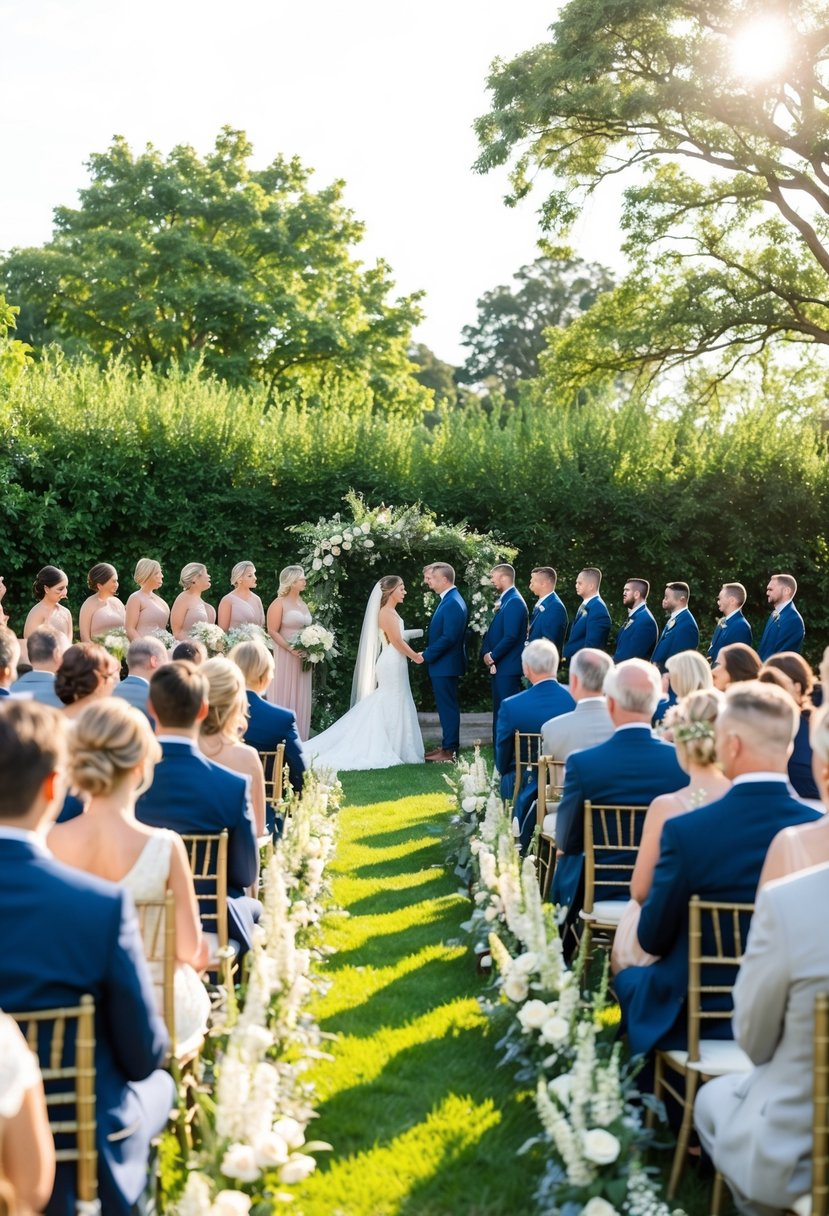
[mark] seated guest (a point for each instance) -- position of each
(734, 663)
(220, 735)
(800, 683)
(46, 647)
(589, 723)
(548, 618)
(784, 629)
(685, 673)
(66, 934)
(630, 769)
(757, 1126)
(527, 712)
(806, 845)
(190, 650)
(27, 1147)
(637, 637)
(268, 725)
(9, 658)
(681, 631)
(87, 673)
(692, 728)
(191, 795)
(145, 655)
(591, 624)
(732, 625)
(716, 852)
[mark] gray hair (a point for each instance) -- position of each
(43, 644)
(635, 686)
(764, 716)
(143, 649)
(591, 667)
(540, 657)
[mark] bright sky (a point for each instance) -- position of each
(371, 91)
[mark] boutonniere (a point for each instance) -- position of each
(581, 612)
(671, 623)
(722, 623)
(627, 623)
(497, 607)
(540, 608)
(775, 616)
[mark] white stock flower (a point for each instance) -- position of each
(314, 846)
(491, 914)
(239, 1162)
(561, 1087)
(298, 1167)
(533, 1015)
(598, 1207)
(600, 1146)
(366, 528)
(526, 963)
(555, 1030)
(270, 1150)
(315, 867)
(469, 805)
(196, 1198)
(516, 988)
(291, 1131)
(230, 1203)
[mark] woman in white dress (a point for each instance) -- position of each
(27, 1150)
(381, 728)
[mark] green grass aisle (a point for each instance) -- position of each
(421, 1120)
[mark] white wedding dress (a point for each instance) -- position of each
(380, 730)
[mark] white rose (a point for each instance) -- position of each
(368, 544)
(315, 867)
(600, 1146)
(467, 784)
(336, 540)
(328, 560)
(366, 528)
(516, 988)
(239, 1162)
(346, 544)
(270, 1150)
(555, 1030)
(316, 564)
(533, 1015)
(526, 963)
(346, 535)
(561, 1087)
(291, 1131)
(469, 805)
(598, 1207)
(230, 1203)
(299, 1167)
(335, 549)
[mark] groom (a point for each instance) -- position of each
(445, 655)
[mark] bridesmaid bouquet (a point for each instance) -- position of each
(317, 643)
(164, 637)
(248, 633)
(115, 642)
(211, 637)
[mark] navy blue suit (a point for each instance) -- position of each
(632, 768)
(785, 633)
(590, 627)
(191, 794)
(445, 656)
(65, 934)
(549, 620)
(505, 640)
(735, 629)
(268, 726)
(637, 637)
(681, 632)
(716, 852)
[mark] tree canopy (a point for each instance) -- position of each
(721, 112)
(177, 259)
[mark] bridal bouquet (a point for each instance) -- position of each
(317, 644)
(211, 637)
(248, 633)
(115, 642)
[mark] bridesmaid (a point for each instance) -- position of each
(189, 608)
(50, 587)
(146, 611)
(103, 610)
(241, 606)
(287, 615)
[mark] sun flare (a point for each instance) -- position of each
(761, 49)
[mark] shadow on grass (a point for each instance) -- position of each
(405, 835)
(392, 899)
(430, 853)
(387, 949)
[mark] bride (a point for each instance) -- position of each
(381, 728)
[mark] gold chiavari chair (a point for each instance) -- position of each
(816, 1203)
(64, 1041)
(717, 935)
(207, 855)
(550, 787)
(612, 835)
(527, 750)
(157, 922)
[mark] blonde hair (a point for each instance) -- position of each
(819, 733)
(287, 578)
(254, 661)
(226, 699)
(145, 568)
(190, 573)
(110, 738)
(239, 570)
(689, 672)
(692, 724)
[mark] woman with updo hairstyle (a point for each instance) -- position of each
(267, 725)
(220, 737)
(792, 673)
(146, 611)
(692, 722)
(102, 611)
(50, 587)
(189, 608)
(288, 615)
(241, 606)
(112, 755)
(87, 673)
(734, 664)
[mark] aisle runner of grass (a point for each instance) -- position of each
(422, 1121)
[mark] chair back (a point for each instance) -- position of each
(207, 855)
(273, 764)
(157, 922)
(64, 1042)
(612, 834)
(527, 751)
(717, 934)
(550, 786)
(820, 1113)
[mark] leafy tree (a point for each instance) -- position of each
(726, 222)
(14, 354)
(177, 260)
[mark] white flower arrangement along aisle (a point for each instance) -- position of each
(559, 1035)
(254, 1106)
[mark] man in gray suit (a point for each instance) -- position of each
(589, 723)
(144, 656)
(45, 648)
(757, 1126)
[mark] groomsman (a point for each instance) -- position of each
(504, 640)
(681, 631)
(784, 629)
(592, 624)
(637, 637)
(549, 616)
(732, 625)
(445, 656)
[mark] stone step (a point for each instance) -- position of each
(475, 728)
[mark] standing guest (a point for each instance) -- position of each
(102, 611)
(681, 631)
(734, 663)
(797, 677)
(88, 673)
(191, 650)
(241, 606)
(46, 648)
(732, 625)
(221, 731)
(637, 637)
(65, 935)
(504, 641)
(445, 656)
(27, 1147)
(784, 629)
(806, 845)
(145, 655)
(189, 608)
(50, 587)
(146, 611)
(589, 723)
(549, 616)
(268, 725)
(288, 615)
(591, 626)
(9, 658)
